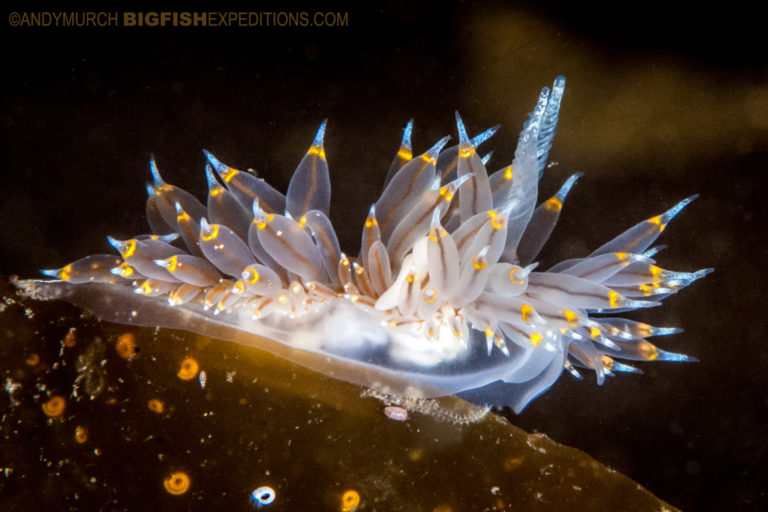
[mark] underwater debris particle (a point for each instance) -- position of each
(443, 409)
(396, 413)
(156, 405)
(70, 339)
(90, 370)
(33, 360)
(55, 406)
(126, 345)
(11, 388)
(81, 434)
(188, 369)
(536, 441)
(547, 470)
(176, 484)
(203, 379)
(350, 500)
(263, 496)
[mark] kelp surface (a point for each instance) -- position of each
(99, 416)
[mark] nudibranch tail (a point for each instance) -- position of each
(445, 295)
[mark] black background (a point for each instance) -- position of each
(659, 105)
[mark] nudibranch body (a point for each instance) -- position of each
(444, 297)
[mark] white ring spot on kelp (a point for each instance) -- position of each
(263, 496)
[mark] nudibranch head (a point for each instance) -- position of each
(444, 296)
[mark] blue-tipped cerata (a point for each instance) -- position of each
(444, 296)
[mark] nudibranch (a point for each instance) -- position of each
(444, 296)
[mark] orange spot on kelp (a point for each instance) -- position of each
(55, 406)
(176, 484)
(350, 500)
(188, 369)
(156, 405)
(126, 345)
(81, 434)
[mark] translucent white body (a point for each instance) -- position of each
(444, 297)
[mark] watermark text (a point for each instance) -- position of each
(213, 19)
